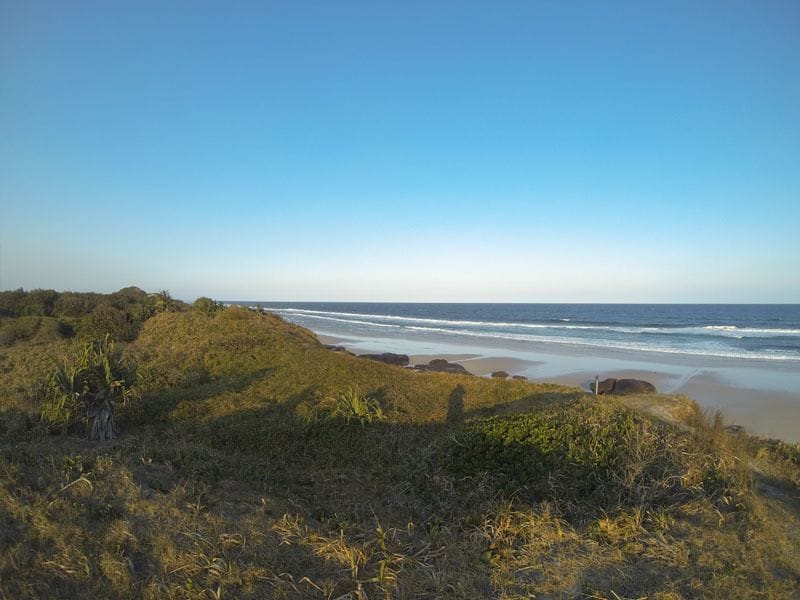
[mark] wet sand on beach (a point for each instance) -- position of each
(764, 399)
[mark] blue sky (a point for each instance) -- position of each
(457, 151)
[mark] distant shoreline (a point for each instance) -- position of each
(769, 406)
(751, 332)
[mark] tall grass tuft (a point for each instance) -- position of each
(86, 388)
(351, 404)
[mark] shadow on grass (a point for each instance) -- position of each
(335, 483)
(292, 442)
(455, 406)
(308, 492)
(17, 425)
(153, 407)
(532, 403)
(778, 489)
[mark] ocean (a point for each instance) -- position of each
(762, 332)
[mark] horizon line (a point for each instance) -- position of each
(506, 302)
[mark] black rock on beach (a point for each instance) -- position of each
(443, 366)
(401, 360)
(624, 386)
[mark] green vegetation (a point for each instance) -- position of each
(583, 444)
(352, 404)
(41, 329)
(595, 455)
(45, 315)
(254, 463)
(87, 388)
(207, 305)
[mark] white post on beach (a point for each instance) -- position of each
(596, 384)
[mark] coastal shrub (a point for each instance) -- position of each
(38, 329)
(596, 454)
(76, 304)
(35, 303)
(107, 320)
(40, 303)
(16, 330)
(782, 457)
(60, 314)
(129, 295)
(206, 305)
(578, 448)
(12, 302)
(164, 302)
(86, 388)
(351, 404)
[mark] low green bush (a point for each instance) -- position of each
(17, 330)
(206, 305)
(583, 446)
(37, 329)
(107, 320)
(597, 454)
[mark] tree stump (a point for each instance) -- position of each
(101, 413)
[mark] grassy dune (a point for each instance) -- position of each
(237, 474)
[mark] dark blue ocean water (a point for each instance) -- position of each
(752, 331)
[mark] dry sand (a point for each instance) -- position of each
(759, 409)
(329, 340)
(770, 413)
(422, 359)
(486, 365)
(763, 412)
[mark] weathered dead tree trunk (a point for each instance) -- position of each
(101, 413)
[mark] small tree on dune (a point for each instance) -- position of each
(206, 305)
(87, 388)
(164, 302)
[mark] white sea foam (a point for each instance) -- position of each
(309, 312)
(766, 330)
(493, 330)
(708, 330)
(355, 321)
(614, 345)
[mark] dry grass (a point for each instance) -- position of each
(228, 481)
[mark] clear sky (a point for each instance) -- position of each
(461, 151)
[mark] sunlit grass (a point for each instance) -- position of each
(232, 479)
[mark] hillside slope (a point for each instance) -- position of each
(238, 474)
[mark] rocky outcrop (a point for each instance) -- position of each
(442, 366)
(625, 386)
(519, 377)
(338, 349)
(500, 375)
(401, 360)
(606, 386)
(634, 386)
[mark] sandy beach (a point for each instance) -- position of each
(763, 398)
